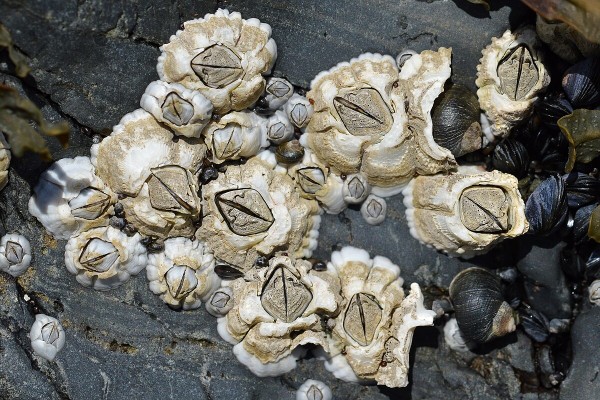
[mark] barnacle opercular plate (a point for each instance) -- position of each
(373, 332)
(465, 213)
(276, 310)
(182, 274)
(69, 198)
(221, 55)
(371, 118)
(510, 75)
(104, 258)
(254, 209)
(4, 161)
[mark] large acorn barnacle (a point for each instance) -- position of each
(254, 209)
(369, 118)
(480, 309)
(465, 213)
(510, 76)
(276, 310)
(222, 56)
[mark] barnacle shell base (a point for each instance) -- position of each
(182, 274)
(104, 258)
(221, 55)
(373, 332)
(465, 213)
(510, 75)
(69, 198)
(370, 118)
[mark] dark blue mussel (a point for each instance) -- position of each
(552, 108)
(546, 209)
(546, 147)
(534, 323)
(581, 83)
(511, 156)
(581, 222)
(582, 189)
(592, 265)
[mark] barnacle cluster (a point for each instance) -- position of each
(216, 185)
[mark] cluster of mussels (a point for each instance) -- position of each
(216, 185)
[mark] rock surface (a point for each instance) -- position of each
(91, 62)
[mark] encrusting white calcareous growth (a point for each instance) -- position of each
(372, 334)
(15, 254)
(222, 56)
(104, 258)
(182, 274)
(510, 76)
(47, 336)
(70, 198)
(466, 213)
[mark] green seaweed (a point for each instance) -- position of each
(582, 130)
(21, 66)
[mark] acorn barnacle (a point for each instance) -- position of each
(510, 76)
(182, 274)
(255, 209)
(15, 254)
(4, 160)
(276, 310)
(47, 336)
(479, 306)
(222, 56)
(185, 111)
(154, 174)
(314, 390)
(104, 258)
(373, 210)
(372, 334)
(371, 118)
(277, 92)
(69, 198)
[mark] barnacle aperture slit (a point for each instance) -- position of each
(170, 190)
(284, 296)
(177, 110)
(485, 209)
(362, 318)
(217, 66)
(90, 203)
(518, 72)
(244, 211)
(50, 332)
(363, 112)
(14, 252)
(98, 255)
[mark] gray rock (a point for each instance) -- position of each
(583, 381)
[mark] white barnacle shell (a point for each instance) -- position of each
(454, 337)
(373, 119)
(299, 110)
(183, 273)
(15, 254)
(594, 292)
(154, 173)
(221, 55)
(221, 301)
(254, 209)
(312, 389)
(69, 198)
(356, 189)
(373, 209)
(465, 213)
(373, 332)
(277, 92)
(47, 336)
(4, 161)
(104, 258)
(239, 134)
(277, 309)
(185, 111)
(316, 181)
(510, 76)
(279, 128)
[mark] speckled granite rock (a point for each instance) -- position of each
(91, 62)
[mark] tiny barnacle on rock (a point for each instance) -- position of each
(314, 390)
(47, 336)
(15, 254)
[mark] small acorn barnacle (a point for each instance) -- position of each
(15, 254)
(277, 92)
(222, 56)
(221, 301)
(47, 336)
(313, 390)
(373, 209)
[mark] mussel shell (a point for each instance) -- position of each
(535, 324)
(572, 263)
(455, 119)
(552, 108)
(581, 189)
(477, 297)
(592, 265)
(581, 223)
(581, 83)
(511, 156)
(228, 272)
(289, 152)
(548, 147)
(546, 208)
